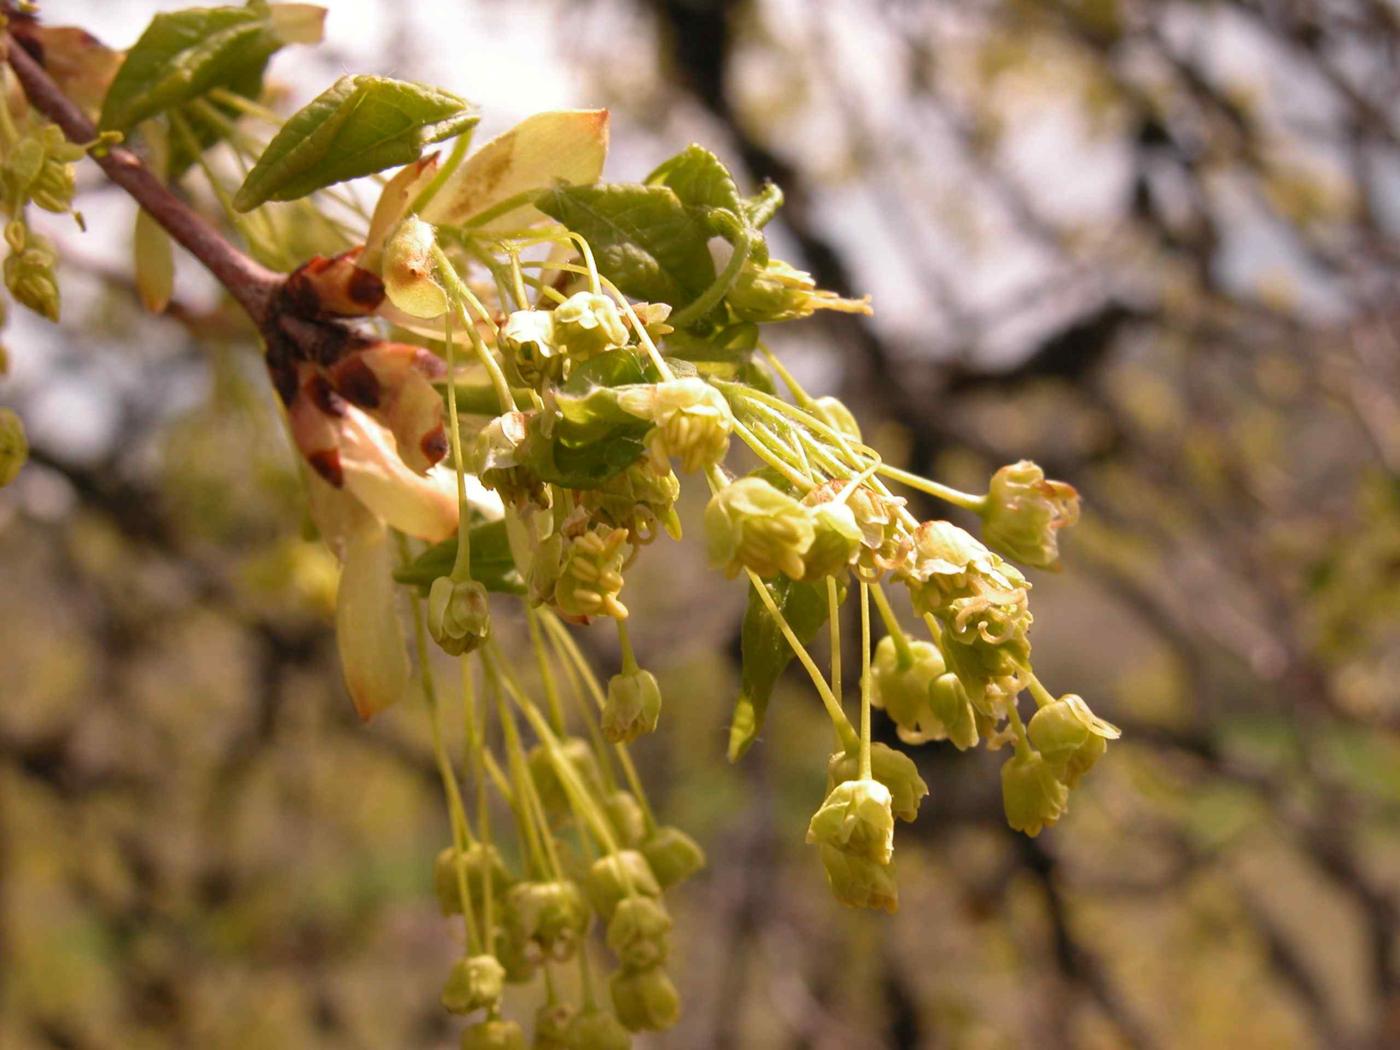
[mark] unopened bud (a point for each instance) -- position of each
(645, 1000)
(475, 983)
(578, 753)
(479, 864)
(459, 618)
(1031, 793)
(835, 542)
(552, 915)
(902, 688)
(857, 817)
(750, 524)
(673, 855)
(586, 324)
(1024, 511)
(894, 769)
(14, 446)
(598, 1030)
(632, 707)
(626, 817)
(954, 711)
(552, 1023)
(1070, 736)
(494, 1035)
(860, 882)
(616, 877)
(638, 933)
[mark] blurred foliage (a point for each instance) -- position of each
(200, 845)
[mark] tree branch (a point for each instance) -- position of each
(250, 283)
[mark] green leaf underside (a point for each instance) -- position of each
(644, 238)
(766, 652)
(491, 562)
(358, 126)
(185, 54)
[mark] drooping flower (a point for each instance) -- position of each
(1024, 511)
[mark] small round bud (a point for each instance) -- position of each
(494, 1035)
(518, 956)
(590, 574)
(645, 1000)
(14, 446)
(586, 324)
(616, 877)
(625, 815)
(459, 617)
(479, 863)
(552, 915)
(954, 711)
(859, 882)
(673, 856)
(1082, 759)
(475, 983)
(632, 707)
(552, 1024)
(1057, 731)
(1031, 794)
(598, 1030)
(693, 422)
(894, 769)
(1023, 512)
(638, 933)
(902, 688)
(857, 817)
(528, 337)
(833, 412)
(750, 524)
(835, 542)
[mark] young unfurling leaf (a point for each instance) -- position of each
(644, 238)
(358, 126)
(185, 54)
(547, 149)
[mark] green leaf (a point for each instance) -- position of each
(766, 652)
(491, 561)
(185, 54)
(359, 126)
(705, 186)
(644, 238)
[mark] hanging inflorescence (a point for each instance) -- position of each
(500, 379)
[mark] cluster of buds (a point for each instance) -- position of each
(29, 269)
(38, 169)
(752, 524)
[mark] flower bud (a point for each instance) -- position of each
(28, 271)
(552, 1024)
(1031, 794)
(586, 324)
(14, 446)
(632, 707)
(479, 863)
(835, 541)
(552, 915)
(517, 956)
(494, 1035)
(1082, 759)
(459, 618)
(833, 412)
(894, 769)
(1023, 512)
(693, 422)
(857, 817)
(626, 817)
(408, 270)
(781, 292)
(954, 711)
(616, 877)
(672, 855)
(859, 882)
(475, 983)
(590, 575)
(598, 1030)
(553, 798)
(903, 689)
(1070, 736)
(750, 524)
(638, 933)
(528, 337)
(645, 1000)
